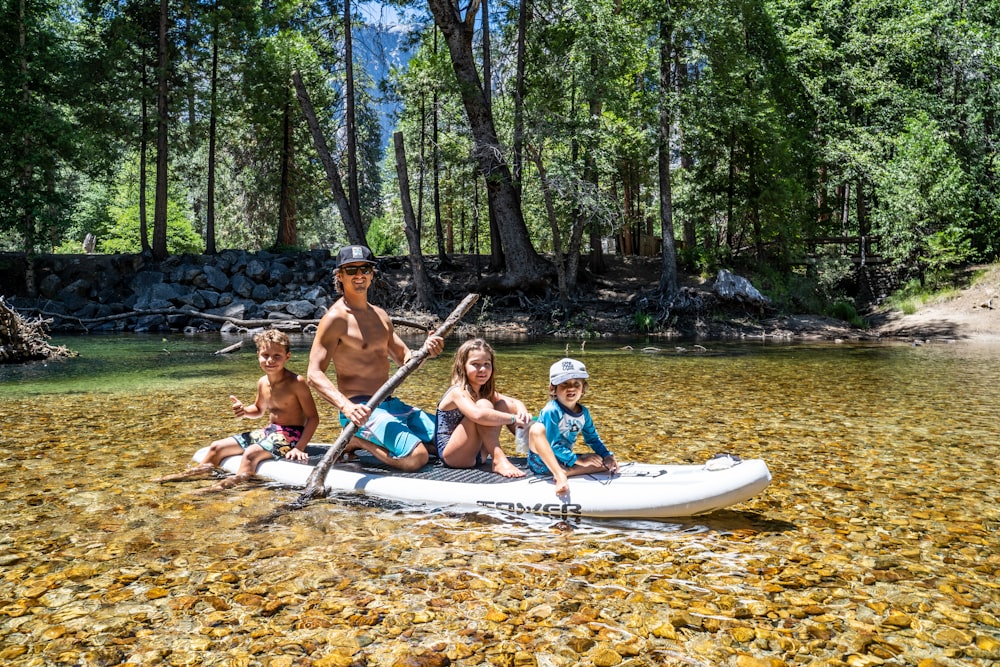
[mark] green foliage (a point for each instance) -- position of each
(830, 273)
(386, 237)
(818, 287)
(924, 204)
(123, 233)
(644, 322)
(946, 250)
(789, 120)
(844, 310)
(915, 293)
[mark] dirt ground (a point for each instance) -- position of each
(610, 304)
(971, 314)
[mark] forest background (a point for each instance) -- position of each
(794, 140)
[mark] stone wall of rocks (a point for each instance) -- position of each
(89, 292)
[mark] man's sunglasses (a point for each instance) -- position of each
(353, 270)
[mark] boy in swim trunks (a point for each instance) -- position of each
(293, 418)
(560, 423)
(359, 340)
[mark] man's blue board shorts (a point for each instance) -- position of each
(395, 426)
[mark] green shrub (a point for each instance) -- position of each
(643, 321)
(845, 310)
(386, 238)
(123, 233)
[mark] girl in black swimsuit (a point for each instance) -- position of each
(472, 413)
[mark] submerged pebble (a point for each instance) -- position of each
(876, 543)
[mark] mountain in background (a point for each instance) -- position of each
(379, 47)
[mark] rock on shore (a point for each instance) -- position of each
(97, 293)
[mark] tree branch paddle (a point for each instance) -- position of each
(315, 486)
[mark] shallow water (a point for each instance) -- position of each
(875, 544)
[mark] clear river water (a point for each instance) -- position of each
(876, 544)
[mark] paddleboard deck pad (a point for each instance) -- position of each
(638, 490)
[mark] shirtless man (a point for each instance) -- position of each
(293, 419)
(359, 339)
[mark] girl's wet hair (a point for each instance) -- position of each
(458, 376)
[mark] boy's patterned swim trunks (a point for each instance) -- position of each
(273, 438)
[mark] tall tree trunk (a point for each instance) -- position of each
(688, 229)
(436, 171)
(731, 191)
(590, 172)
(212, 120)
(421, 281)
(350, 120)
(550, 212)
(754, 200)
(524, 265)
(449, 227)
(597, 264)
(287, 233)
(160, 205)
(861, 207)
(845, 208)
(187, 39)
(423, 157)
(143, 150)
(668, 274)
(519, 91)
(496, 241)
(355, 233)
(27, 173)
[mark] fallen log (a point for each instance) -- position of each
(290, 324)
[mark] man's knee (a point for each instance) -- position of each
(416, 459)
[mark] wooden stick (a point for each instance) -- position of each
(315, 486)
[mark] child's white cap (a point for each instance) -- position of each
(567, 369)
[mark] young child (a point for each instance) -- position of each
(553, 435)
(293, 418)
(472, 412)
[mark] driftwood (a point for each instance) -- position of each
(25, 340)
(290, 324)
(315, 486)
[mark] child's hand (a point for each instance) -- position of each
(523, 418)
(562, 485)
(610, 463)
(296, 454)
(238, 408)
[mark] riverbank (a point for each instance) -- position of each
(115, 293)
(610, 303)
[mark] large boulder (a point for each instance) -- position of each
(731, 287)
(257, 270)
(215, 278)
(243, 285)
(300, 308)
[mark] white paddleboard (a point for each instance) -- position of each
(638, 490)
